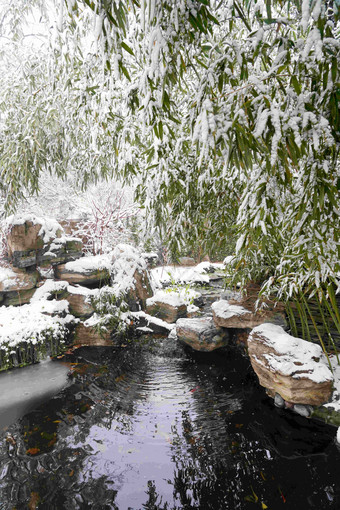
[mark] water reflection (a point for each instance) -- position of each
(153, 426)
(25, 388)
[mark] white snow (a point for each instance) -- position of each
(224, 310)
(338, 435)
(31, 322)
(8, 278)
(50, 228)
(296, 358)
(126, 260)
(164, 275)
(168, 297)
(47, 289)
(89, 264)
(154, 320)
(196, 324)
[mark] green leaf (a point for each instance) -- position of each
(127, 48)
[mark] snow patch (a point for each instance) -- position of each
(296, 358)
(224, 310)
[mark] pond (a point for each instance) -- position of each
(153, 425)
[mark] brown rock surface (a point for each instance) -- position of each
(201, 334)
(165, 311)
(85, 271)
(17, 285)
(142, 289)
(24, 237)
(79, 302)
(241, 312)
(89, 336)
(291, 367)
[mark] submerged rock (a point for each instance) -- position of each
(201, 334)
(294, 368)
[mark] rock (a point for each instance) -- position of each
(167, 312)
(201, 334)
(93, 270)
(79, 299)
(141, 291)
(153, 324)
(87, 335)
(293, 368)
(227, 315)
(17, 286)
(60, 251)
(168, 306)
(279, 401)
(303, 410)
(27, 237)
(187, 261)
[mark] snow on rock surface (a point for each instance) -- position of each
(293, 356)
(294, 368)
(49, 228)
(89, 264)
(201, 334)
(86, 270)
(224, 310)
(164, 275)
(172, 298)
(33, 322)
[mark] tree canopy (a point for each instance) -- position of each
(225, 112)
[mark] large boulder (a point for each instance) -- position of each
(92, 270)
(60, 251)
(201, 334)
(293, 368)
(17, 286)
(27, 236)
(166, 305)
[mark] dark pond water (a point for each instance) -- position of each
(154, 426)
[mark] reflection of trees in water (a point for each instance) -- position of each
(220, 447)
(241, 459)
(49, 462)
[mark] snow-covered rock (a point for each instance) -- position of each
(31, 330)
(85, 271)
(32, 240)
(294, 368)
(17, 286)
(201, 334)
(231, 315)
(167, 305)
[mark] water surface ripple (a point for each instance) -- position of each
(155, 426)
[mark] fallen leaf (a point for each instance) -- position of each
(32, 505)
(33, 451)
